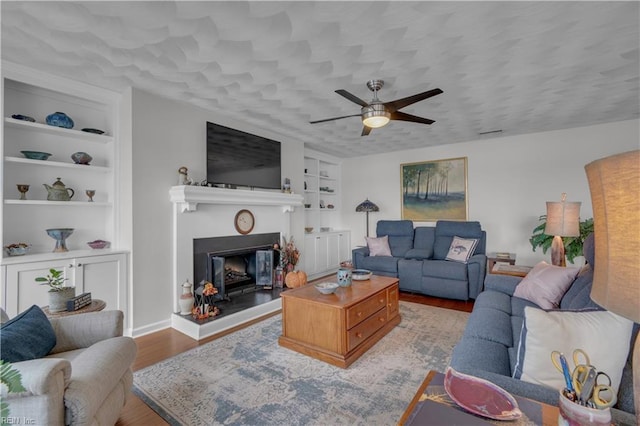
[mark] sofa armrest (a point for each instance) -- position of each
(42, 376)
(502, 283)
(357, 255)
(83, 330)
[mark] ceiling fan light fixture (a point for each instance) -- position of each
(375, 116)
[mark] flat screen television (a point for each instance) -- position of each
(237, 158)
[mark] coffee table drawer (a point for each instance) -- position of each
(358, 313)
(366, 328)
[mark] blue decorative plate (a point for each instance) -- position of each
(23, 117)
(96, 131)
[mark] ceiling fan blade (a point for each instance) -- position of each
(351, 97)
(393, 106)
(402, 116)
(365, 131)
(335, 118)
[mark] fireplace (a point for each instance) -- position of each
(234, 264)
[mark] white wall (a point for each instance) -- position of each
(167, 135)
(509, 180)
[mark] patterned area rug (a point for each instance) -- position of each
(246, 378)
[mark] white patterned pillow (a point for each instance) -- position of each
(461, 249)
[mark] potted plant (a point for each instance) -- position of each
(58, 293)
(572, 245)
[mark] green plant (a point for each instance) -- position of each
(11, 378)
(572, 245)
(55, 280)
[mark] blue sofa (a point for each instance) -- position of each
(418, 258)
(489, 345)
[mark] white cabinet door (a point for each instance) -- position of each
(344, 246)
(104, 278)
(309, 255)
(333, 251)
(322, 253)
(21, 289)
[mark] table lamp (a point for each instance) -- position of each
(614, 183)
(563, 220)
(367, 206)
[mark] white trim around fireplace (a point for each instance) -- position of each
(188, 197)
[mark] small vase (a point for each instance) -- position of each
(278, 282)
(186, 299)
(58, 299)
(60, 119)
(344, 277)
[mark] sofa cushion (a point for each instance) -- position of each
(494, 300)
(444, 269)
(400, 233)
(27, 336)
(380, 264)
(603, 335)
(423, 239)
(546, 284)
(446, 230)
(461, 249)
(378, 246)
(418, 254)
(490, 324)
(474, 353)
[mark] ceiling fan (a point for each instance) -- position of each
(376, 113)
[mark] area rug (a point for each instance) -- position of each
(246, 378)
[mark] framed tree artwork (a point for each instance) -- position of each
(435, 190)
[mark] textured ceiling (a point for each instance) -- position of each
(517, 66)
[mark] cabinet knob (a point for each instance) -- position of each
(359, 314)
(359, 335)
(381, 300)
(381, 319)
(79, 264)
(71, 265)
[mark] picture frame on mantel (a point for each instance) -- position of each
(434, 190)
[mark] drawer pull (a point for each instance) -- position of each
(381, 300)
(381, 319)
(359, 335)
(359, 314)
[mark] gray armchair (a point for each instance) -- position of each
(84, 380)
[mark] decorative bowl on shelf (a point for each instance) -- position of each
(23, 118)
(99, 244)
(60, 119)
(326, 288)
(81, 158)
(307, 206)
(36, 155)
(17, 249)
(325, 228)
(95, 131)
(308, 229)
(60, 235)
(360, 274)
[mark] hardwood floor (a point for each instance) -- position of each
(164, 344)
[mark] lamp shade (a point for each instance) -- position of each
(367, 206)
(563, 218)
(614, 183)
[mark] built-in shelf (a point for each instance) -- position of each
(47, 163)
(188, 197)
(58, 203)
(53, 130)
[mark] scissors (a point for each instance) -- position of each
(580, 357)
(590, 390)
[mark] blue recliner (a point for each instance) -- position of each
(419, 258)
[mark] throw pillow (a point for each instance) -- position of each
(378, 246)
(545, 284)
(461, 249)
(603, 335)
(27, 336)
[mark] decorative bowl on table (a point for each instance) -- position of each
(17, 249)
(36, 155)
(326, 288)
(308, 229)
(360, 274)
(98, 244)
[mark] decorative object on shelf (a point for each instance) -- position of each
(326, 288)
(60, 235)
(325, 229)
(344, 277)
(572, 245)
(361, 274)
(244, 221)
(186, 299)
(23, 117)
(330, 206)
(278, 279)
(204, 298)
(324, 173)
(17, 249)
(308, 229)
(78, 302)
(81, 158)
(60, 119)
(287, 186)
(58, 293)
(90, 193)
(614, 183)
(289, 254)
(183, 176)
(23, 188)
(295, 279)
(321, 204)
(98, 244)
(305, 185)
(95, 131)
(563, 220)
(367, 206)
(35, 155)
(307, 206)
(58, 191)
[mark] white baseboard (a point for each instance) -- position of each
(150, 328)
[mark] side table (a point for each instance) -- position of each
(492, 258)
(96, 305)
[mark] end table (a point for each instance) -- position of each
(96, 305)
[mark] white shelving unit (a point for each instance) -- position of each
(32, 93)
(322, 192)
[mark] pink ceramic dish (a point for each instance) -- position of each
(98, 244)
(481, 397)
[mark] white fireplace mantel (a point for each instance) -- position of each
(188, 197)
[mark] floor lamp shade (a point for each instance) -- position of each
(367, 206)
(614, 183)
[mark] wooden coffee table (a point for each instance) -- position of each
(338, 328)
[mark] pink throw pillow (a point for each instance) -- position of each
(378, 246)
(545, 284)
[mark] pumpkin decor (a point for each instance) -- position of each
(295, 279)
